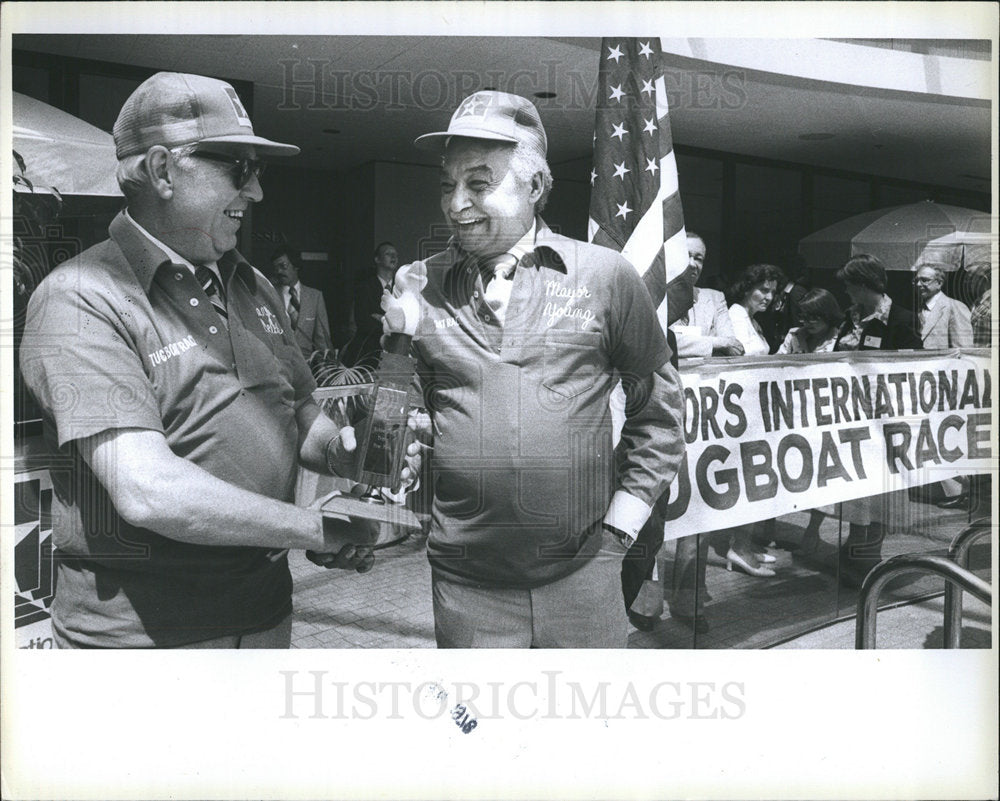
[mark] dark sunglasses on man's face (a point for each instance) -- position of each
(245, 167)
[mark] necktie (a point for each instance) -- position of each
(497, 293)
(210, 283)
(293, 307)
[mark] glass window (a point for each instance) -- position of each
(767, 215)
(700, 181)
(890, 195)
(835, 199)
(102, 97)
(31, 81)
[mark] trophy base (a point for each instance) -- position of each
(371, 508)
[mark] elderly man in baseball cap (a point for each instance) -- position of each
(176, 400)
(523, 334)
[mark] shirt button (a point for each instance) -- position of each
(487, 318)
(475, 295)
(194, 301)
(213, 330)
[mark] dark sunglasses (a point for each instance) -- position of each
(245, 167)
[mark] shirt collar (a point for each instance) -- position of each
(550, 249)
(173, 255)
(525, 244)
(931, 302)
(881, 312)
(146, 254)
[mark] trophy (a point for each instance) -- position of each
(381, 434)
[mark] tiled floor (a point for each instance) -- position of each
(387, 607)
(390, 606)
(913, 626)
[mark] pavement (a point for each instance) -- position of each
(390, 606)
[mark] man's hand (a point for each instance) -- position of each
(420, 433)
(347, 545)
(339, 452)
(727, 346)
(356, 557)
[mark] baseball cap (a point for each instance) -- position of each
(173, 109)
(492, 115)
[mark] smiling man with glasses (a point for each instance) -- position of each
(243, 167)
(174, 394)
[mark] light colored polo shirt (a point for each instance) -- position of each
(122, 337)
(524, 467)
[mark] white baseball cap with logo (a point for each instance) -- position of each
(495, 116)
(173, 109)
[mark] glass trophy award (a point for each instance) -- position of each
(381, 443)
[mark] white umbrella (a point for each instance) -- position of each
(960, 249)
(62, 151)
(899, 236)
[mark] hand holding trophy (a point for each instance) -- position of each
(383, 458)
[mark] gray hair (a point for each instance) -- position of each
(528, 160)
(937, 269)
(132, 177)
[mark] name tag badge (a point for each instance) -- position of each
(872, 342)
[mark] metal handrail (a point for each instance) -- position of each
(871, 588)
(959, 554)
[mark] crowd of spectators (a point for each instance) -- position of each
(771, 313)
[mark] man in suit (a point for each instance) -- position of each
(944, 323)
(363, 349)
(707, 329)
(305, 305)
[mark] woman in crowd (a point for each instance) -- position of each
(820, 317)
(752, 293)
(873, 322)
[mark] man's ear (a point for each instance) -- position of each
(537, 187)
(159, 165)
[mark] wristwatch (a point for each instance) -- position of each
(627, 540)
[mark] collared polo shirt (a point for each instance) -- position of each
(121, 337)
(523, 461)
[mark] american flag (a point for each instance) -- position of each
(635, 205)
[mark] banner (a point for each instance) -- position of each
(777, 434)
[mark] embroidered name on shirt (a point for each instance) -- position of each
(446, 322)
(269, 321)
(173, 349)
(556, 311)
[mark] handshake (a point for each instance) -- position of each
(347, 544)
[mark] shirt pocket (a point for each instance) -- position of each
(573, 362)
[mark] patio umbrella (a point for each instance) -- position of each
(899, 236)
(62, 151)
(960, 249)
